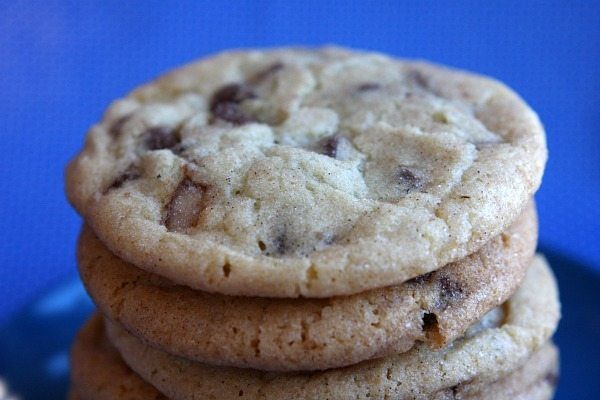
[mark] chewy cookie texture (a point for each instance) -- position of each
(308, 334)
(309, 173)
(99, 373)
(314, 224)
(495, 349)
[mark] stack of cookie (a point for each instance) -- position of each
(314, 224)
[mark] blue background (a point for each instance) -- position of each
(62, 62)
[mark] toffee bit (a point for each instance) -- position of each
(183, 210)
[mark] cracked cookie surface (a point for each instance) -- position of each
(498, 344)
(308, 334)
(300, 172)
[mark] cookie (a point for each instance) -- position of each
(109, 378)
(308, 334)
(536, 379)
(502, 341)
(98, 372)
(306, 172)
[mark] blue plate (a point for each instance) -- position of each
(34, 345)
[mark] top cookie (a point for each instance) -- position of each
(313, 173)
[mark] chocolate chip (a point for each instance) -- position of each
(178, 149)
(115, 128)
(335, 146)
(262, 75)
(232, 93)
(183, 210)
(231, 112)
(279, 244)
(160, 137)
(454, 390)
(130, 174)
(449, 286)
(368, 87)
(429, 321)
(450, 290)
(410, 178)
(423, 82)
(225, 103)
(552, 378)
(421, 279)
(328, 146)
(418, 78)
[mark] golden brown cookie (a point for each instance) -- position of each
(308, 334)
(98, 373)
(306, 172)
(494, 347)
(109, 378)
